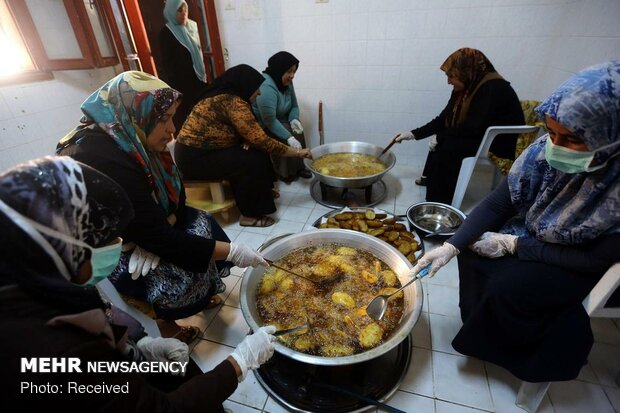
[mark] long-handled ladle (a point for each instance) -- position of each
(321, 280)
(387, 148)
(292, 330)
(378, 305)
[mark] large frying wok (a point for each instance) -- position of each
(351, 147)
(388, 254)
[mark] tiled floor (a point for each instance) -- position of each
(439, 379)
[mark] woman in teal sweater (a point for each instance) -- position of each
(277, 111)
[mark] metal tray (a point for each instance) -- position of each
(402, 219)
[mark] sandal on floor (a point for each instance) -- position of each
(288, 179)
(422, 181)
(215, 301)
(264, 221)
(187, 334)
(304, 173)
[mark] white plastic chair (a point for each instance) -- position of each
(482, 157)
(531, 394)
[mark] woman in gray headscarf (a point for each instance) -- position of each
(557, 226)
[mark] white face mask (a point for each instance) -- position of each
(103, 259)
(571, 161)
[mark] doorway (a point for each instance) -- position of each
(152, 21)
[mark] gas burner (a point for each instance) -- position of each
(334, 197)
(307, 388)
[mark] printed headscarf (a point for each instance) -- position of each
(573, 208)
(128, 108)
(187, 35)
(473, 68)
(241, 80)
(278, 65)
(69, 197)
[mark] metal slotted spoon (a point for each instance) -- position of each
(319, 281)
(378, 305)
(305, 326)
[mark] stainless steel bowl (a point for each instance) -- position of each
(435, 218)
(394, 259)
(350, 147)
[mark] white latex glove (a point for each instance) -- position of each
(296, 126)
(141, 262)
(404, 136)
(495, 245)
(243, 256)
(293, 143)
(164, 349)
(433, 143)
(254, 350)
(437, 258)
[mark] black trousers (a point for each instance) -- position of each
(524, 316)
(249, 172)
(288, 167)
(443, 165)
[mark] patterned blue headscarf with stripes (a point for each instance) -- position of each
(563, 208)
(128, 108)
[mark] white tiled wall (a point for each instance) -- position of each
(34, 116)
(374, 63)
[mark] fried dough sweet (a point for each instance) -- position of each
(339, 325)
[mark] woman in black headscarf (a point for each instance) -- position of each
(61, 222)
(277, 111)
(221, 139)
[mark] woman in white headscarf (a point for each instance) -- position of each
(183, 65)
(544, 237)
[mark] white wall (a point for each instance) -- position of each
(374, 63)
(34, 116)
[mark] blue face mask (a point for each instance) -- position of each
(103, 260)
(571, 161)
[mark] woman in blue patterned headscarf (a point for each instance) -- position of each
(127, 108)
(557, 217)
(573, 207)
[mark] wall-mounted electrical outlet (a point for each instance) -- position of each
(229, 5)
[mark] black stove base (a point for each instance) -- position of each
(348, 197)
(307, 388)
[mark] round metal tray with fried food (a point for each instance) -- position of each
(379, 223)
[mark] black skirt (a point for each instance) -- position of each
(249, 172)
(288, 168)
(524, 316)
